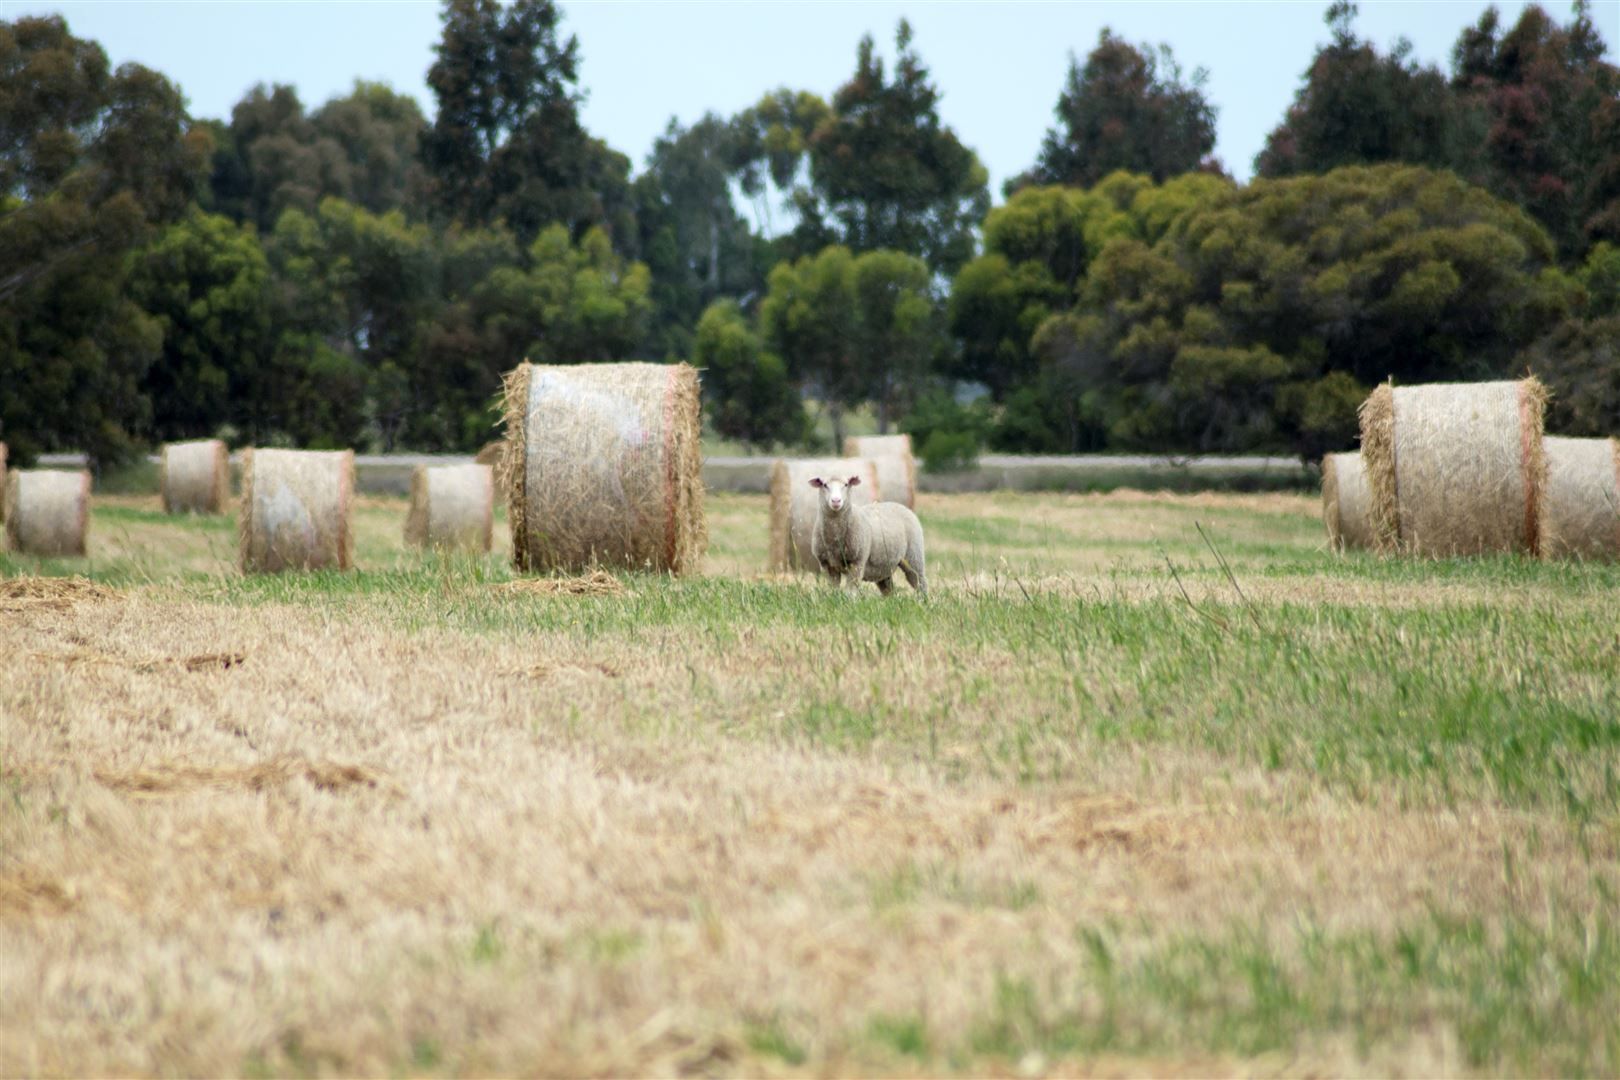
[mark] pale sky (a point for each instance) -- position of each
(999, 66)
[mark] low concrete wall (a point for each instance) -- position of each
(390, 474)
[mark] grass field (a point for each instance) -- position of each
(1102, 804)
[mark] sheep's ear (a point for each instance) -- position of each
(815, 481)
(854, 481)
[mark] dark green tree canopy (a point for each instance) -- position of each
(506, 142)
(886, 173)
(1129, 109)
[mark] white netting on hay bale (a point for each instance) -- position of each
(1455, 468)
(196, 477)
(452, 507)
(1580, 505)
(896, 466)
(297, 510)
(47, 512)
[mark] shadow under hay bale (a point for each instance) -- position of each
(452, 508)
(1346, 502)
(196, 477)
(603, 466)
(896, 466)
(297, 510)
(1455, 468)
(1580, 506)
(47, 512)
(794, 504)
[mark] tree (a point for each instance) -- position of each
(886, 173)
(852, 328)
(1357, 107)
(506, 142)
(1579, 359)
(1551, 107)
(1128, 109)
(770, 144)
(696, 246)
(93, 161)
(750, 396)
(205, 281)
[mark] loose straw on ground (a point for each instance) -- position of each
(1455, 468)
(297, 508)
(1346, 502)
(896, 467)
(794, 503)
(196, 477)
(1580, 506)
(603, 466)
(452, 507)
(47, 512)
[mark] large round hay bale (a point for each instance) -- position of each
(604, 467)
(3, 484)
(794, 503)
(47, 512)
(297, 508)
(452, 507)
(1346, 502)
(897, 468)
(1580, 506)
(196, 477)
(1455, 468)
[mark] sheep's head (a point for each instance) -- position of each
(834, 492)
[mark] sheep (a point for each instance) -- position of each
(866, 543)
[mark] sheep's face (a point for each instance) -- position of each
(834, 492)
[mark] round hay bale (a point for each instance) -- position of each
(452, 507)
(603, 467)
(3, 484)
(47, 511)
(1580, 506)
(794, 503)
(897, 468)
(297, 508)
(196, 477)
(1346, 502)
(1455, 468)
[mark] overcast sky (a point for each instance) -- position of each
(999, 66)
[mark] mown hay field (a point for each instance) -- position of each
(1101, 805)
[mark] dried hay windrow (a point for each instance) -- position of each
(595, 583)
(297, 509)
(47, 512)
(794, 503)
(1455, 468)
(1346, 502)
(32, 593)
(1580, 506)
(896, 466)
(196, 477)
(452, 507)
(603, 466)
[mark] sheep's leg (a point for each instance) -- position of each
(886, 586)
(855, 574)
(914, 577)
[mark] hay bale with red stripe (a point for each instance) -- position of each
(196, 477)
(297, 510)
(1580, 509)
(794, 504)
(47, 512)
(1346, 502)
(1455, 468)
(896, 466)
(604, 467)
(452, 508)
